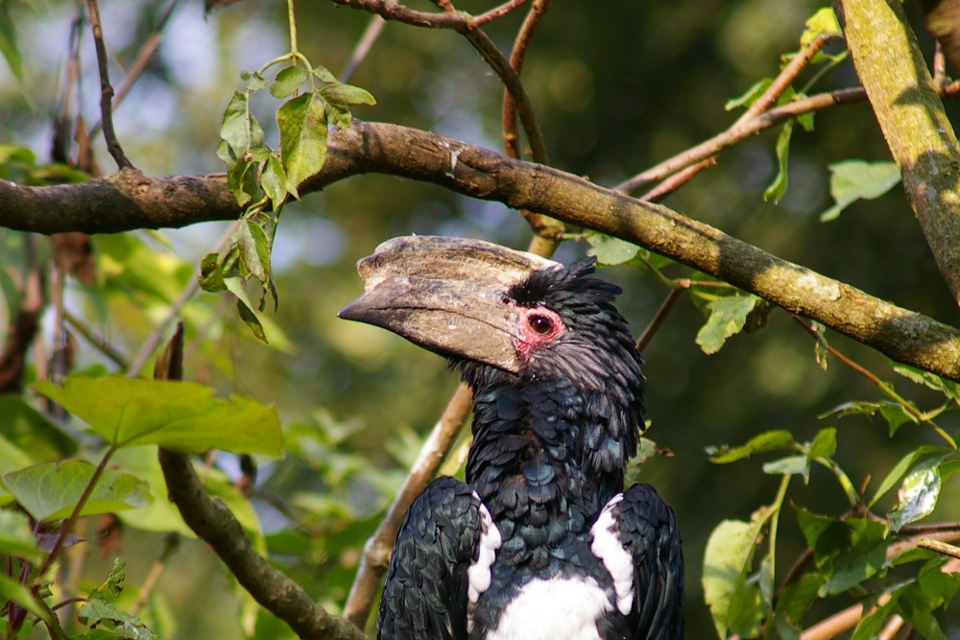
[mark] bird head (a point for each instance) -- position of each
(507, 317)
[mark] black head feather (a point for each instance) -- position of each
(591, 370)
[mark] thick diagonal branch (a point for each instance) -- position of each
(903, 96)
(130, 201)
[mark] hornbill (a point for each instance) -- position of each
(542, 541)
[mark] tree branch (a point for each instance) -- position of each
(106, 90)
(213, 522)
(892, 69)
(128, 200)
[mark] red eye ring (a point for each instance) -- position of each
(540, 324)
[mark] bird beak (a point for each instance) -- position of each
(448, 295)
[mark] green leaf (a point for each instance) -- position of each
(939, 587)
(779, 185)
(918, 494)
(728, 315)
(211, 273)
(824, 445)
(766, 441)
(873, 622)
(111, 587)
(852, 180)
(272, 180)
(254, 249)
(894, 475)
(847, 552)
(16, 537)
(8, 44)
(255, 82)
(96, 612)
(31, 432)
(182, 416)
(796, 599)
(609, 250)
(302, 123)
(750, 96)
(915, 609)
(289, 79)
(50, 491)
(894, 413)
(13, 591)
(15, 153)
(235, 128)
(790, 465)
(324, 75)
(949, 388)
(346, 95)
(727, 561)
(824, 21)
(245, 308)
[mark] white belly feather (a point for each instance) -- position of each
(557, 609)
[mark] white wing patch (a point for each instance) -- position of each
(478, 574)
(606, 546)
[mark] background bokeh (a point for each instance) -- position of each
(618, 86)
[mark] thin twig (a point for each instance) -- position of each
(170, 544)
(511, 80)
(735, 134)
(936, 527)
(521, 44)
(939, 68)
(460, 22)
(99, 342)
(401, 13)
(659, 317)
(155, 336)
(940, 547)
(799, 566)
(369, 36)
(106, 90)
(493, 14)
(677, 180)
(548, 232)
(784, 79)
(884, 387)
(149, 48)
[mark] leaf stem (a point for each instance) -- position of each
(291, 17)
(77, 509)
(885, 387)
(766, 587)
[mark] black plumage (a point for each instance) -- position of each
(541, 540)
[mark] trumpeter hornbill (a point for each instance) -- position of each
(542, 541)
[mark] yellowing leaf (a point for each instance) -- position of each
(824, 21)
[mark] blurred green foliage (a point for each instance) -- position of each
(618, 87)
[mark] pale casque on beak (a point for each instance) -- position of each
(445, 294)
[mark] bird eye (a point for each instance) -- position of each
(540, 324)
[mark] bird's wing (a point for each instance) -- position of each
(636, 536)
(439, 565)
